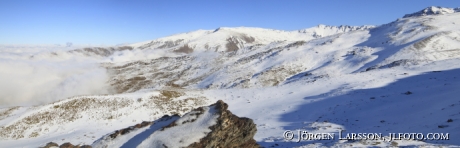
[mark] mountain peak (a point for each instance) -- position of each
(433, 10)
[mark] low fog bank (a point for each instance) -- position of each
(26, 81)
(33, 75)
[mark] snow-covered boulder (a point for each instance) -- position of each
(209, 126)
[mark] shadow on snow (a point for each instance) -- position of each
(433, 99)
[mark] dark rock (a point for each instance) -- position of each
(371, 68)
(229, 131)
(51, 144)
(443, 126)
(66, 145)
(129, 129)
(400, 63)
(83, 146)
(408, 93)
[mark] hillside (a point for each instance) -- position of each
(397, 77)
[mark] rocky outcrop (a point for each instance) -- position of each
(211, 126)
(208, 126)
(51, 145)
(65, 145)
(131, 128)
(229, 131)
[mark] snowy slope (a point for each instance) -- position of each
(321, 79)
(409, 41)
(433, 10)
(81, 120)
(223, 38)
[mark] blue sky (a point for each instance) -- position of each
(111, 22)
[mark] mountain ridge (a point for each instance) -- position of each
(433, 10)
(244, 35)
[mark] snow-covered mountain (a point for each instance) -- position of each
(433, 10)
(232, 39)
(393, 78)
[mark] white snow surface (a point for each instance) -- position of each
(433, 10)
(321, 80)
(216, 40)
(189, 128)
(133, 138)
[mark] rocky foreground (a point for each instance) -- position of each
(209, 126)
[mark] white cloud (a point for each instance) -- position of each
(25, 81)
